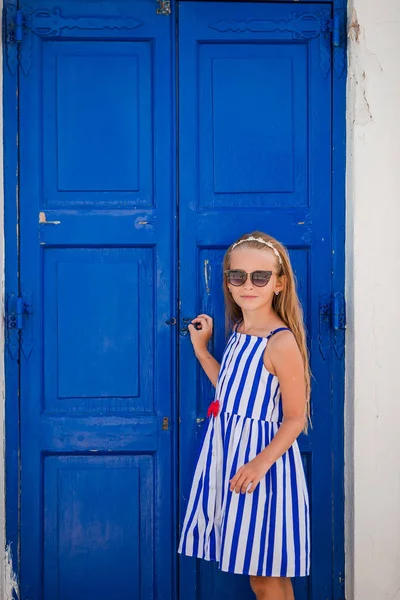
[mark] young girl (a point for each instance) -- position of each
(248, 507)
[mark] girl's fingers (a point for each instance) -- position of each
(246, 484)
(205, 327)
(239, 481)
(233, 482)
(200, 318)
(238, 485)
(239, 476)
(207, 319)
(243, 478)
(253, 486)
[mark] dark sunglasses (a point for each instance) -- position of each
(238, 277)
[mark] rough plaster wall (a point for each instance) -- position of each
(373, 292)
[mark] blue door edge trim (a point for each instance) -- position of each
(175, 297)
(338, 285)
(11, 366)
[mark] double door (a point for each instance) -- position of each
(140, 161)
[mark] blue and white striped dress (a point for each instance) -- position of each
(266, 532)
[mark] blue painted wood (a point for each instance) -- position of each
(97, 229)
(11, 223)
(338, 283)
(255, 123)
(88, 549)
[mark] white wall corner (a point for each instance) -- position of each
(372, 412)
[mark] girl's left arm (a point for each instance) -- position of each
(288, 365)
(287, 362)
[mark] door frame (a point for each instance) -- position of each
(11, 284)
(11, 268)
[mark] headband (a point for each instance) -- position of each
(254, 239)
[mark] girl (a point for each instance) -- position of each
(248, 507)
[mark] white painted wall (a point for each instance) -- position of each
(373, 294)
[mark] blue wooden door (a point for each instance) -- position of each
(96, 242)
(255, 153)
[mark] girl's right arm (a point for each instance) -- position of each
(200, 339)
(210, 365)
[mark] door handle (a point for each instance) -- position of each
(184, 325)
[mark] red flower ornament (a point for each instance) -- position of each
(213, 409)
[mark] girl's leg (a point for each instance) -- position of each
(289, 591)
(271, 588)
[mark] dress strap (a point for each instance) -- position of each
(276, 331)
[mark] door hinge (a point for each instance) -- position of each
(338, 31)
(332, 325)
(164, 7)
(13, 34)
(339, 28)
(18, 336)
(21, 24)
(14, 28)
(14, 22)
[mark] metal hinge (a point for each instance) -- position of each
(164, 7)
(21, 24)
(336, 26)
(14, 27)
(339, 41)
(17, 336)
(13, 30)
(332, 325)
(339, 28)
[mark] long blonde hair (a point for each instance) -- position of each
(286, 305)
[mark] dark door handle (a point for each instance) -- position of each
(185, 323)
(171, 321)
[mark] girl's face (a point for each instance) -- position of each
(249, 296)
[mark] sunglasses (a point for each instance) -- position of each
(238, 277)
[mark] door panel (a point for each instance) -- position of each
(240, 159)
(255, 153)
(97, 249)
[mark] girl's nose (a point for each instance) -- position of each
(248, 283)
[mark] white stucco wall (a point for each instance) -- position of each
(373, 293)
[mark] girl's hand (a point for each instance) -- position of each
(252, 472)
(200, 337)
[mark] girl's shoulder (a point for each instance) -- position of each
(281, 349)
(283, 330)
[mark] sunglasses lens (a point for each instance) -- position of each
(261, 278)
(236, 277)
